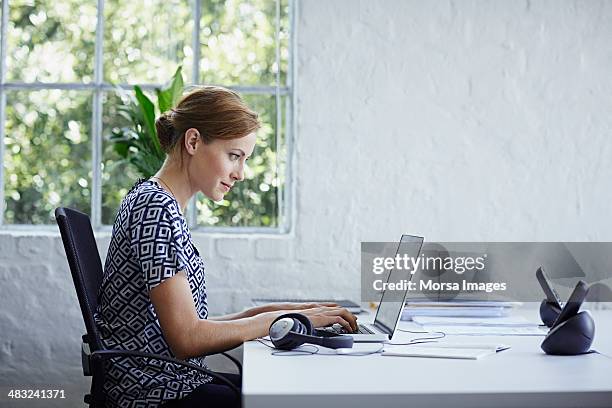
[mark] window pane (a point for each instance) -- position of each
(254, 201)
(284, 40)
(47, 159)
(145, 42)
(47, 43)
(117, 177)
(238, 41)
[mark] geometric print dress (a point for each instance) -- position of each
(150, 243)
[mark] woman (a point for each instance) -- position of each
(153, 295)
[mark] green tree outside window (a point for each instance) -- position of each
(51, 98)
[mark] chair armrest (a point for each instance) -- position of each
(108, 354)
(85, 356)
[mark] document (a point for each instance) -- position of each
(462, 308)
(437, 352)
(462, 303)
(488, 330)
(499, 326)
(514, 321)
(411, 313)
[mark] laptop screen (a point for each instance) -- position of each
(392, 301)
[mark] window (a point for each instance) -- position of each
(58, 100)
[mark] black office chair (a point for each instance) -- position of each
(86, 268)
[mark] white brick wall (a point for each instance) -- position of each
(460, 120)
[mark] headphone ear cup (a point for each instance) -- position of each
(307, 324)
(283, 329)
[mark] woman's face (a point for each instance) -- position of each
(215, 167)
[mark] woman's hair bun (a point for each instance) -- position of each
(216, 113)
(165, 131)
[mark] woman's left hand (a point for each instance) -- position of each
(298, 306)
(273, 307)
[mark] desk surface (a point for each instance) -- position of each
(521, 376)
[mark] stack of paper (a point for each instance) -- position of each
(514, 321)
(490, 331)
(498, 326)
(460, 308)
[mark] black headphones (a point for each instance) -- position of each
(291, 330)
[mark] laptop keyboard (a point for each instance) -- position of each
(338, 329)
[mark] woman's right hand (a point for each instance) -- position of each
(328, 315)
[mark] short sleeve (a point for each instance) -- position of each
(158, 244)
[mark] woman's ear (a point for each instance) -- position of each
(192, 138)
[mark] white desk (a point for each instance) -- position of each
(520, 377)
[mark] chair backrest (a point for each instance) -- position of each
(85, 265)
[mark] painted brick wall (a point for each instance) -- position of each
(460, 120)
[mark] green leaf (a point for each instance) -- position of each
(126, 114)
(147, 109)
(122, 149)
(168, 97)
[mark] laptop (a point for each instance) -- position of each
(391, 303)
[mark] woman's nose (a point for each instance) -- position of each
(238, 174)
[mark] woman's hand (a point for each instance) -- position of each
(328, 315)
(273, 307)
(286, 306)
(320, 316)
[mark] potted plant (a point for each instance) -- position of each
(137, 144)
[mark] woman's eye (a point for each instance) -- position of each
(234, 156)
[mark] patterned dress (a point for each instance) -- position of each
(150, 243)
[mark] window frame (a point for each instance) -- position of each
(285, 191)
